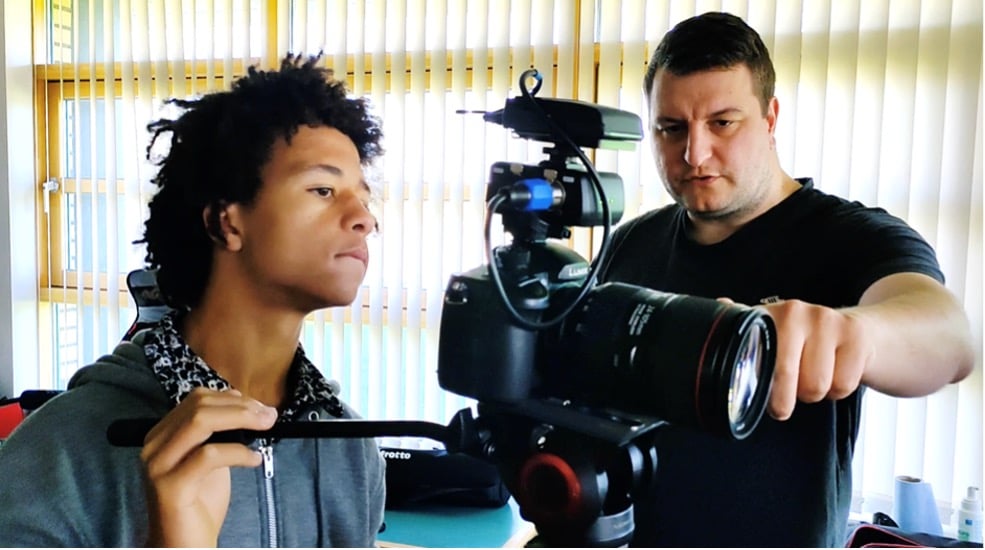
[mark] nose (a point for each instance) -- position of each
(358, 216)
(698, 148)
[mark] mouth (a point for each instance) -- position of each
(360, 254)
(700, 180)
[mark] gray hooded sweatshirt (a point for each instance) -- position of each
(63, 484)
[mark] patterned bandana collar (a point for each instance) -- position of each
(180, 370)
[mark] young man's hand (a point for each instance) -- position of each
(188, 483)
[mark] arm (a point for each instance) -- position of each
(920, 332)
(907, 337)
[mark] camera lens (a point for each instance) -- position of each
(746, 378)
(735, 369)
(688, 360)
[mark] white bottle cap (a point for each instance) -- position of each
(971, 502)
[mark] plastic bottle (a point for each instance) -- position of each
(970, 517)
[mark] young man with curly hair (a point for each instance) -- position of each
(260, 218)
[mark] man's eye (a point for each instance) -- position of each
(669, 129)
(724, 123)
(324, 191)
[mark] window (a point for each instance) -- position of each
(877, 106)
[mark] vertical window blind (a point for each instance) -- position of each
(880, 102)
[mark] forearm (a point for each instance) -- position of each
(919, 333)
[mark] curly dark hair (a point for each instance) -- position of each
(219, 144)
(714, 40)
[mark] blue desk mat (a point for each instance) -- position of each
(456, 527)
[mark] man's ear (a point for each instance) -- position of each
(222, 223)
(772, 113)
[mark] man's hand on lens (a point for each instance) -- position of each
(821, 354)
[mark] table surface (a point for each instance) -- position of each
(456, 527)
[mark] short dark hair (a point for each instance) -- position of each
(714, 40)
(218, 146)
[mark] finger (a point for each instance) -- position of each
(817, 365)
(789, 348)
(183, 434)
(175, 419)
(726, 301)
(183, 482)
(783, 394)
(202, 398)
(186, 428)
(850, 361)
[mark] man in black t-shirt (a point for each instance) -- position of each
(857, 296)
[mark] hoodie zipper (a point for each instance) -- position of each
(267, 452)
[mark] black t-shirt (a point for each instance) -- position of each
(789, 483)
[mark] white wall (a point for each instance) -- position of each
(18, 240)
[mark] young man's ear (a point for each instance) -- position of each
(222, 224)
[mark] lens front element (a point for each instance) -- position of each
(744, 408)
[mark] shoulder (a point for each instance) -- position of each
(59, 464)
(843, 221)
(855, 214)
(658, 217)
(635, 239)
(121, 377)
(649, 226)
(70, 428)
(864, 243)
(839, 211)
(118, 385)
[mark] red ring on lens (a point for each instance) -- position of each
(701, 364)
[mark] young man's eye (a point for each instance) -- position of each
(324, 191)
